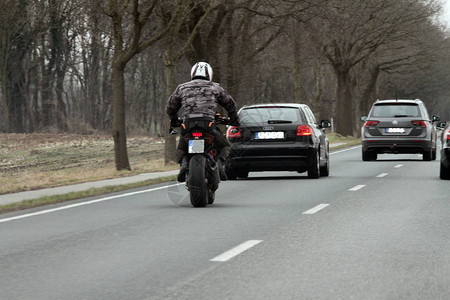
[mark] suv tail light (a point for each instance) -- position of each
(234, 132)
(304, 130)
(371, 123)
(419, 123)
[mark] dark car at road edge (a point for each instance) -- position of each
(444, 171)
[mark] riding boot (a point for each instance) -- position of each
(222, 173)
(183, 169)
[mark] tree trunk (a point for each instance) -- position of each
(369, 94)
(170, 141)
(297, 72)
(344, 107)
(119, 131)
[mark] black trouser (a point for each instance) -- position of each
(221, 144)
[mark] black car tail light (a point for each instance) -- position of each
(234, 132)
(371, 123)
(419, 123)
(447, 134)
(304, 130)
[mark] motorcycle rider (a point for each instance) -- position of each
(198, 98)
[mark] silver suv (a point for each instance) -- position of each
(398, 126)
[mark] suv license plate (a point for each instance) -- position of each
(196, 146)
(395, 130)
(269, 135)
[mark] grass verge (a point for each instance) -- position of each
(79, 195)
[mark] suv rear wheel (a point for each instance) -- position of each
(428, 155)
(369, 155)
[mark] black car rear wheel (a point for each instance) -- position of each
(314, 170)
(242, 174)
(444, 172)
(325, 170)
(231, 173)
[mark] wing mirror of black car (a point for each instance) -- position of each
(441, 125)
(325, 124)
(364, 118)
(436, 118)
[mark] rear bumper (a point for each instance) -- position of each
(400, 145)
(293, 157)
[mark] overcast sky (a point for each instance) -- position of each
(446, 13)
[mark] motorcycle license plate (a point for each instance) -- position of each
(196, 146)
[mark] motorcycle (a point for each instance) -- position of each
(202, 177)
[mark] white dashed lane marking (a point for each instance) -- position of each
(382, 175)
(236, 251)
(315, 209)
(356, 188)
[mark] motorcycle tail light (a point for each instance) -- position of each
(234, 132)
(304, 130)
(197, 134)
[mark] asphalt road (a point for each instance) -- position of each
(371, 230)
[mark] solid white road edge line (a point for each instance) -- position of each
(85, 203)
(348, 149)
(315, 209)
(382, 175)
(236, 250)
(358, 187)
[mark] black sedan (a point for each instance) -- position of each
(278, 137)
(445, 152)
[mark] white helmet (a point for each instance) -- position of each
(202, 70)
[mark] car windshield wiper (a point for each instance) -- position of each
(279, 121)
(401, 116)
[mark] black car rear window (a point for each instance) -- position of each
(269, 114)
(395, 110)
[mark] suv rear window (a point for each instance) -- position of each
(395, 110)
(269, 113)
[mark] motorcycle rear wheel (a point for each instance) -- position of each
(197, 182)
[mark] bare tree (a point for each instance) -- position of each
(349, 32)
(127, 43)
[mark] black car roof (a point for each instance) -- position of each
(292, 105)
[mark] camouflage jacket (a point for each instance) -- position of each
(199, 98)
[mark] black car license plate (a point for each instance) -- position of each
(269, 135)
